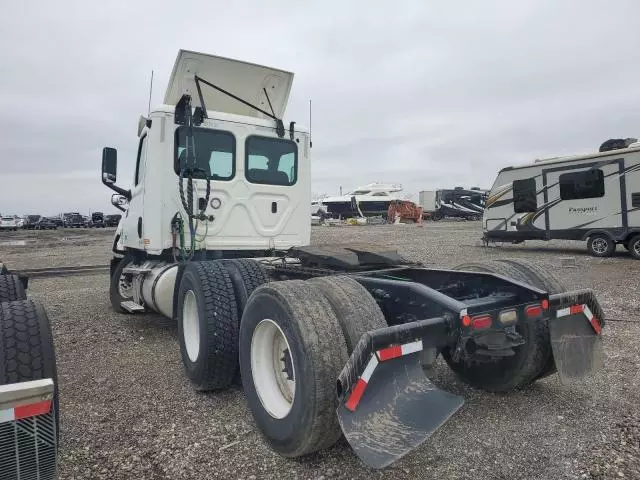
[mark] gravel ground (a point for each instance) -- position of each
(128, 412)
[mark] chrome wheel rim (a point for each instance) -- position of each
(125, 286)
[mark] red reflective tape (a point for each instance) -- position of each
(356, 395)
(33, 409)
(390, 352)
(575, 309)
(596, 325)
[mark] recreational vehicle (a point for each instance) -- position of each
(593, 198)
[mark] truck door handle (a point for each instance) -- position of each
(274, 207)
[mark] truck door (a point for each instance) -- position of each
(584, 197)
(133, 218)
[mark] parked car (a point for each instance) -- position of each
(57, 221)
(112, 220)
(8, 223)
(20, 222)
(30, 221)
(46, 224)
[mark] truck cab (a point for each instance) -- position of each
(258, 175)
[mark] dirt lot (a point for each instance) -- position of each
(128, 412)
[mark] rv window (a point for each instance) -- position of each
(215, 152)
(586, 184)
(271, 161)
(524, 196)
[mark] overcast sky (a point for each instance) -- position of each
(430, 94)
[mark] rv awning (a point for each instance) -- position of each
(245, 80)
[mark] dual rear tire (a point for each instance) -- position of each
(292, 339)
(316, 324)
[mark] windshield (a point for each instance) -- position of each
(214, 150)
(7, 218)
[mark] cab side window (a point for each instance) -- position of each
(142, 155)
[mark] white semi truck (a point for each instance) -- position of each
(328, 340)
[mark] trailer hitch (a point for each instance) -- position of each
(387, 406)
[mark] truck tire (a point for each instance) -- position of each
(208, 325)
(544, 280)
(291, 351)
(246, 275)
(121, 287)
(601, 245)
(537, 276)
(11, 289)
(634, 247)
(26, 346)
(356, 310)
(530, 359)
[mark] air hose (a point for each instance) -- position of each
(187, 172)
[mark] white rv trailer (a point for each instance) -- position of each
(592, 197)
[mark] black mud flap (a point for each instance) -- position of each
(576, 338)
(397, 411)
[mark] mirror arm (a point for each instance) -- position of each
(117, 189)
(122, 209)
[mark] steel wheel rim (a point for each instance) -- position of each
(636, 248)
(600, 245)
(125, 286)
(191, 326)
(272, 369)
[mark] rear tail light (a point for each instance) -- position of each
(545, 304)
(483, 321)
(508, 316)
(533, 310)
(466, 321)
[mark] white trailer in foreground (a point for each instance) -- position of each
(328, 340)
(592, 197)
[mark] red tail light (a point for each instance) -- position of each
(533, 310)
(545, 304)
(478, 323)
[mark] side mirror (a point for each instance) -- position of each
(110, 171)
(120, 202)
(109, 165)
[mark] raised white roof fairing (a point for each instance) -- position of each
(245, 80)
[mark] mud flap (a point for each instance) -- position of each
(398, 410)
(577, 347)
